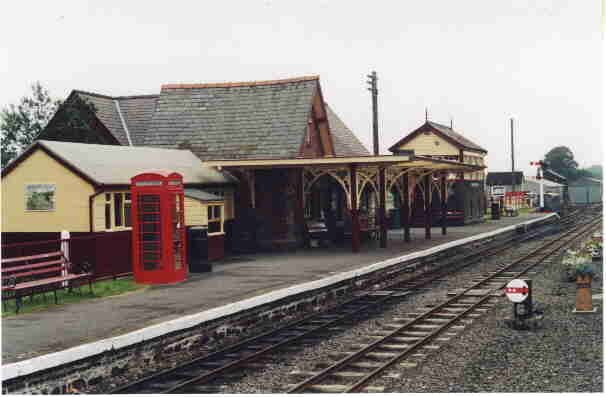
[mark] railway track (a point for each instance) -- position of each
(421, 330)
(192, 375)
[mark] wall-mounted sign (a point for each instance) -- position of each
(497, 191)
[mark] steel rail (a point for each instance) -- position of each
(344, 362)
(411, 286)
(212, 374)
(363, 382)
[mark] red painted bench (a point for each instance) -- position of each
(27, 275)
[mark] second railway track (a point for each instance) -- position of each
(190, 377)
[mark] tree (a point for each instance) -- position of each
(20, 124)
(561, 160)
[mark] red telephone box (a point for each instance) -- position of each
(158, 243)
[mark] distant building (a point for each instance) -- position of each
(532, 184)
(585, 191)
(504, 179)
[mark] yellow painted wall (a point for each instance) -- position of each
(477, 159)
(71, 211)
(228, 196)
(425, 144)
(195, 212)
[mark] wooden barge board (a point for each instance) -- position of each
(52, 360)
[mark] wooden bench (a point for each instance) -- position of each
(27, 275)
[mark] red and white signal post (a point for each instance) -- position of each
(520, 293)
(540, 179)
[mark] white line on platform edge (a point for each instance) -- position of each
(55, 359)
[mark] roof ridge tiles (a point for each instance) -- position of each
(241, 83)
(95, 94)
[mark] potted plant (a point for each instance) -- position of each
(584, 274)
(594, 248)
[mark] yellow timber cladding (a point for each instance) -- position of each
(195, 210)
(429, 144)
(71, 194)
(70, 197)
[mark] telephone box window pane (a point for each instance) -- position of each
(150, 227)
(150, 246)
(118, 209)
(150, 237)
(149, 217)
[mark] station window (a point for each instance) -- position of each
(215, 219)
(121, 206)
(108, 211)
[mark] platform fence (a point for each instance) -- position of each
(108, 254)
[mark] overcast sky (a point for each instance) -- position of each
(480, 62)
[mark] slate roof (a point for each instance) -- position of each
(115, 165)
(456, 136)
(234, 121)
(259, 119)
(136, 112)
(504, 178)
(447, 132)
(201, 195)
(345, 142)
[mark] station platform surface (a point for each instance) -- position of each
(236, 278)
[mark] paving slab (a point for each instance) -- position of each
(234, 279)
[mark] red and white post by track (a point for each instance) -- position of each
(539, 164)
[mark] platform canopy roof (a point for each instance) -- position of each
(402, 160)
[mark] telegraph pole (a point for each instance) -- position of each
(375, 112)
(513, 175)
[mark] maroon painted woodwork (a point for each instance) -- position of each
(405, 211)
(443, 202)
(216, 247)
(355, 216)
(158, 232)
(426, 199)
(382, 216)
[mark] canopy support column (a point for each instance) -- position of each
(299, 205)
(355, 219)
(405, 209)
(382, 217)
(444, 202)
(427, 191)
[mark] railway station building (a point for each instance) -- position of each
(278, 158)
(466, 200)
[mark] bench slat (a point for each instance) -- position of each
(31, 266)
(54, 269)
(48, 281)
(27, 258)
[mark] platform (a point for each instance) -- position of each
(233, 280)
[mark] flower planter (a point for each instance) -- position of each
(583, 301)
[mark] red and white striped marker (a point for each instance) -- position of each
(516, 290)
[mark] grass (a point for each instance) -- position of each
(101, 289)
